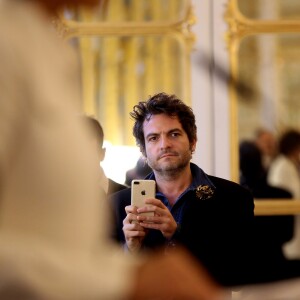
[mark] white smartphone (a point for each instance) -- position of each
(142, 189)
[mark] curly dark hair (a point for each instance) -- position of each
(162, 103)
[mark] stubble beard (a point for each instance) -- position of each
(171, 169)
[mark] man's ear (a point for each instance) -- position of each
(193, 146)
(102, 154)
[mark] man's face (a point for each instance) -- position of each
(167, 146)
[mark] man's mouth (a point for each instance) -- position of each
(167, 155)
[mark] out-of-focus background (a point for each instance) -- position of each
(235, 61)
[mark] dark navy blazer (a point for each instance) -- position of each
(218, 231)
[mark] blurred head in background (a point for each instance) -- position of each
(267, 144)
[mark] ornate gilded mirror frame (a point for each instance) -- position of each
(179, 29)
(240, 27)
(129, 50)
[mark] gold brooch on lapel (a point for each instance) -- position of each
(204, 192)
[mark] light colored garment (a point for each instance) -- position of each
(283, 173)
(53, 222)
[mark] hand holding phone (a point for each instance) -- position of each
(142, 189)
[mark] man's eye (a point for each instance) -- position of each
(175, 134)
(152, 139)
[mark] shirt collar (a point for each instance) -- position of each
(199, 178)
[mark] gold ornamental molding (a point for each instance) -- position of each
(265, 207)
(182, 27)
(241, 26)
(173, 28)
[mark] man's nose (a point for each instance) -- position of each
(164, 142)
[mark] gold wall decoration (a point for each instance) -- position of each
(284, 32)
(129, 50)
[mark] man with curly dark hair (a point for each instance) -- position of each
(210, 216)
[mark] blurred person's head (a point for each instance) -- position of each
(289, 144)
(251, 166)
(266, 141)
(169, 105)
(267, 145)
(96, 135)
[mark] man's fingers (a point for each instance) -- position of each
(152, 208)
(155, 202)
(130, 209)
(130, 219)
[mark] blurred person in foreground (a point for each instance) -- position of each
(53, 245)
(210, 216)
(97, 137)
